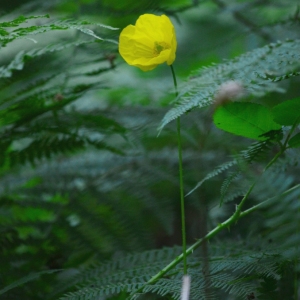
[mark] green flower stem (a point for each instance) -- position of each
(174, 80)
(181, 198)
(180, 181)
(236, 216)
(296, 264)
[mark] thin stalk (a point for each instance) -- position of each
(182, 209)
(231, 220)
(296, 263)
(181, 198)
(174, 80)
(259, 205)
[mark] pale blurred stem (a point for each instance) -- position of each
(296, 262)
(180, 181)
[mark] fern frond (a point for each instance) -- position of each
(27, 32)
(273, 78)
(131, 272)
(249, 69)
(234, 193)
(21, 19)
(95, 293)
(45, 147)
(283, 222)
(254, 152)
(226, 183)
(18, 62)
(123, 272)
(48, 146)
(218, 170)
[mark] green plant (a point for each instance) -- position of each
(88, 189)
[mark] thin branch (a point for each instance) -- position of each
(245, 21)
(236, 216)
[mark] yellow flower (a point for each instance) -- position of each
(151, 42)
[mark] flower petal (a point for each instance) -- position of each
(152, 41)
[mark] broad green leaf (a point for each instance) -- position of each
(250, 120)
(288, 112)
(294, 142)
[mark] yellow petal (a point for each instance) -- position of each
(152, 41)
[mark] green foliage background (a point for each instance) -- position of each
(89, 192)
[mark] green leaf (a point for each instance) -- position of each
(250, 120)
(249, 69)
(288, 112)
(294, 142)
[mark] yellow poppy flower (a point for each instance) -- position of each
(151, 42)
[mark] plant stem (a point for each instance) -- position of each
(180, 181)
(237, 215)
(259, 205)
(174, 80)
(296, 263)
(181, 198)
(234, 218)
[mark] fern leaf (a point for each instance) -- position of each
(45, 148)
(21, 19)
(18, 62)
(226, 183)
(256, 151)
(218, 170)
(26, 32)
(248, 69)
(95, 293)
(273, 78)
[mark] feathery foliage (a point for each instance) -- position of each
(89, 193)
